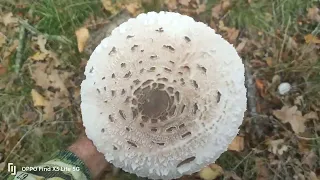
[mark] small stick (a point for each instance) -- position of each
(22, 35)
(33, 30)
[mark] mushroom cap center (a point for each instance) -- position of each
(156, 103)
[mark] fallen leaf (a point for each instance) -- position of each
(184, 2)
(298, 100)
(310, 159)
(293, 116)
(9, 19)
(241, 46)
(29, 115)
(220, 8)
(311, 115)
(133, 8)
(3, 70)
(261, 87)
(277, 146)
(311, 39)
(82, 38)
(201, 8)
(233, 34)
(42, 41)
(2, 166)
(211, 172)
(226, 4)
(109, 6)
(237, 144)
(313, 176)
(9, 51)
(171, 4)
(39, 56)
(313, 14)
(2, 39)
(262, 170)
(216, 11)
(292, 44)
(38, 99)
(269, 61)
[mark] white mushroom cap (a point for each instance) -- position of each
(163, 95)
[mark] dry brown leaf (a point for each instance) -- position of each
(310, 159)
(38, 99)
(82, 38)
(237, 144)
(311, 39)
(8, 52)
(216, 11)
(47, 76)
(226, 4)
(171, 4)
(3, 70)
(133, 8)
(110, 6)
(298, 100)
(311, 115)
(184, 2)
(211, 172)
(201, 8)
(293, 116)
(9, 19)
(241, 46)
(269, 61)
(313, 176)
(220, 8)
(276, 146)
(314, 14)
(292, 44)
(262, 170)
(233, 34)
(261, 87)
(2, 39)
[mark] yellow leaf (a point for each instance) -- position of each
(293, 116)
(38, 56)
(211, 172)
(269, 61)
(237, 144)
(82, 38)
(311, 39)
(38, 99)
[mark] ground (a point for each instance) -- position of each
(42, 63)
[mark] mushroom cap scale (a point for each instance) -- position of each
(163, 96)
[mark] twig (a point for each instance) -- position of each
(22, 35)
(251, 91)
(33, 30)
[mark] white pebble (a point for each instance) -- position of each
(284, 88)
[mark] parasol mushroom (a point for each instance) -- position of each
(164, 95)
